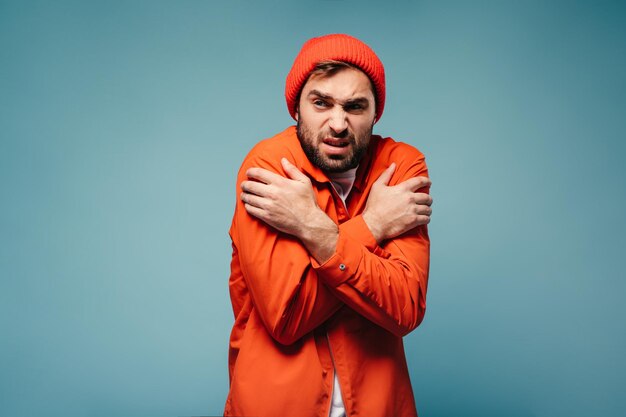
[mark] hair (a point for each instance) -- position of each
(331, 67)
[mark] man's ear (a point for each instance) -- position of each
(297, 113)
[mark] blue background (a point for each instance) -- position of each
(122, 125)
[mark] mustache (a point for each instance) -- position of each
(344, 134)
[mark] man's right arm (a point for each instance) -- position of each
(382, 274)
(285, 289)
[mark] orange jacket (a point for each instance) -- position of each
(296, 321)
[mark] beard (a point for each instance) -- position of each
(333, 163)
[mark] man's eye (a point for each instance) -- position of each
(354, 107)
(320, 103)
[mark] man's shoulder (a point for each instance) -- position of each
(268, 152)
(389, 149)
(280, 142)
(409, 160)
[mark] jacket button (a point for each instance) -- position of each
(342, 267)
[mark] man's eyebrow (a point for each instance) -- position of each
(357, 100)
(319, 94)
(354, 100)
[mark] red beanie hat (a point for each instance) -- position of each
(337, 47)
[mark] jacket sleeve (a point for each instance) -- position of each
(285, 290)
(386, 284)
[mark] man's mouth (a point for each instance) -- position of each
(337, 143)
(336, 148)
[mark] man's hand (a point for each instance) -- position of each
(289, 205)
(391, 211)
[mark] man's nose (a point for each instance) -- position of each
(338, 120)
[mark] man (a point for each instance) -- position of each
(330, 250)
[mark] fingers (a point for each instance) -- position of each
(253, 200)
(256, 212)
(268, 177)
(421, 220)
(293, 172)
(423, 207)
(263, 175)
(385, 177)
(416, 183)
(424, 210)
(255, 187)
(422, 198)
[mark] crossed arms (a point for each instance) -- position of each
(376, 263)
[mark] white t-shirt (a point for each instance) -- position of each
(342, 182)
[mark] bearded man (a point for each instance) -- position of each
(330, 250)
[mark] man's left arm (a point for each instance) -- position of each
(380, 268)
(381, 262)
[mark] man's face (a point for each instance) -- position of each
(335, 119)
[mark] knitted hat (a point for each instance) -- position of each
(336, 47)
